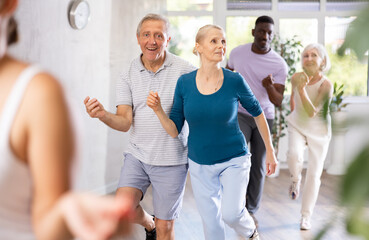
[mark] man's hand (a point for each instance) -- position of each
(94, 108)
(268, 81)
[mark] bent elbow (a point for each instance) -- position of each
(173, 135)
(312, 114)
(126, 129)
(277, 102)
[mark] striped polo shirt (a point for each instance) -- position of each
(149, 142)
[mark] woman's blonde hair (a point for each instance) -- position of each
(202, 33)
(322, 53)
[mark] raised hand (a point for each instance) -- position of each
(92, 217)
(268, 81)
(300, 80)
(153, 101)
(94, 108)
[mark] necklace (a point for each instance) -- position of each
(205, 82)
(216, 86)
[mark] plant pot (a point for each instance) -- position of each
(339, 129)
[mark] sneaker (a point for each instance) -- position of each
(305, 223)
(255, 235)
(294, 190)
(151, 235)
(255, 220)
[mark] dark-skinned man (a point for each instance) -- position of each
(265, 72)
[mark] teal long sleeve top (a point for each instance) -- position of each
(214, 135)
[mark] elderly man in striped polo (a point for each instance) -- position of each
(153, 157)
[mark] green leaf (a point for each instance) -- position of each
(357, 36)
(355, 187)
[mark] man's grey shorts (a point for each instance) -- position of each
(168, 184)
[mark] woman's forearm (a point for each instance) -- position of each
(309, 107)
(263, 128)
(167, 123)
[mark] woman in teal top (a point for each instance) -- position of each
(219, 161)
(213, 117)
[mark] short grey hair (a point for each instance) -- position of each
(153, 16)
(321, 52)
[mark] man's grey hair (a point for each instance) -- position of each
(153, 16)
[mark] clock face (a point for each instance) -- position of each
(79, 14)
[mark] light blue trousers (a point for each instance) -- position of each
(219, 192)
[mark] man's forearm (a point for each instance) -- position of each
(116, 122)
(274, 95)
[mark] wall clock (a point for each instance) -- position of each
(79, 14)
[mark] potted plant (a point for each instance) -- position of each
(339, 118)
(337, 104)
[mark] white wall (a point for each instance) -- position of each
(87, 62)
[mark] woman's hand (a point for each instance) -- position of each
(89, 216)
(300, 80)
(271, 163)
(153, 101)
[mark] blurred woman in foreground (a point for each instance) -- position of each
(37, 146)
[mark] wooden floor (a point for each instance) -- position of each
(278, 216)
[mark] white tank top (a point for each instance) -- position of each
(299, 117)
(15, 177)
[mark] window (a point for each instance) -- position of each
(323, 21)
(346, 5)
(299, 5)
(304, 29)
(183, 31)
(189, 5)
(344, 69)
(239, 31)
(249, 5)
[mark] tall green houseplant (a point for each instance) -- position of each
(290, 51)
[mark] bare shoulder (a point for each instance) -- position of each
(45, 85)
(327, 85)
(41, 83)
(45, 98)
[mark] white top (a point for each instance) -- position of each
(149, 142)
(299, 117)
(15, 177)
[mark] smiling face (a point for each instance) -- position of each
(153, 40)
(263, 35)
(212, 46)
(312, 61)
